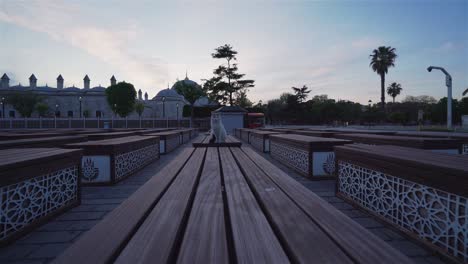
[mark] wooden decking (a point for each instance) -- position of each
(204, 141)
(207, 208)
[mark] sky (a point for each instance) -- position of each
(322, 44)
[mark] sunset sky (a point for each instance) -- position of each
(322, 44)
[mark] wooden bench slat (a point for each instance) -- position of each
(156, 238)
(254, 240)
(205, 237)
(359, 243)
(305, 240)
(104, 241)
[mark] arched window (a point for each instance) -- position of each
(12, 113)
(98, 114)
(57, 113)
(70, 114)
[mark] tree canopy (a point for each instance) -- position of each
(226, 80)
(121, 98)
(24, 102)
(394, 90)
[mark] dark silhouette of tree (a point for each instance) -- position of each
(139, 108)
(301, 93)
(42, 109)
(121, 98)
(24, 102)
(394, 90)
(191, 92)
(382, 59)
(227, 80)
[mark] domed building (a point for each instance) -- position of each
(167, 104)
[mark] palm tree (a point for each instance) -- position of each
(382, 58)
(394, 90)
(301, 93)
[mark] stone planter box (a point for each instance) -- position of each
(36, 185)
(168, 140)
(442, 145)
(46, 142)
(422, 193)
(245, 133)
(112, 160)
(260, 140)
(312, 157)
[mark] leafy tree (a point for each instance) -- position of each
(422, 99)
(191, 92)
(382, 58)
(24, 102)
(139, 108)
(121, 98)
(301, 93)
(394, 90)
(242, 100)
(227, 81)
(42, 109)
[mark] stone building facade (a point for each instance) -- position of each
(65, 101)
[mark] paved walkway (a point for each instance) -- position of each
(49, 240)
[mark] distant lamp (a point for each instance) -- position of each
(448, 83)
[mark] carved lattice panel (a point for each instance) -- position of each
(295, 158)
(129, 162)
(257, 142)
(434, 215)
(24, 202)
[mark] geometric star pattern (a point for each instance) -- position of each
(129, 162)
(29, 200)
(295, 158)
(434, 215)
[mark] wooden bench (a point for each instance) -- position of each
(260, 139)
(226, 205)
(312, 157)
(35, 185)
(463, 137)
(43, 142)
(442, 145)
(229, 142)
(361, 131)
(153, 130)
(168, 140)
(15, 136)
(111, 160)
(425, 194)
(110, 135)
(311, 133)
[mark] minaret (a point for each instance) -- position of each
(139, 95)
(32, 81)
(113, 80)
(5, 82)
(60, 82)
(146, 96)
(86, 82)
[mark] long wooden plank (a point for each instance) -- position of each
(304, 239)
(253, 238)
(157, 238)
(205, 237)
(104, 241)
(359, 243)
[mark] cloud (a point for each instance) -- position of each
(65, 22)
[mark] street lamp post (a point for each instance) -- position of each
(448, 83)
(56, 114)
(370, 102)
(164, 108)
(3, 107)
(80, 98)
(177, 106)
